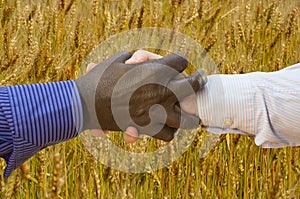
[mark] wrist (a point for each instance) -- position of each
(87, 100)
(226, 102)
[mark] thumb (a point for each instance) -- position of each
(177, 61)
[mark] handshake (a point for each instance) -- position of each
(140, 93)
(144, 93)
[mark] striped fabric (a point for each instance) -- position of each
(42, 115)
(265, 105)
(6, 124)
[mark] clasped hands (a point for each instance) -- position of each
(140, 93)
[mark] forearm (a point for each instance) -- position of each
(265, 105)
(42, 115)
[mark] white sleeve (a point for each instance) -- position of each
(265, 105)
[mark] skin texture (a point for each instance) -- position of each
(188, 104)
(141, 93)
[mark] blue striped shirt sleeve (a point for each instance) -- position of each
(35, 116)
(6, 124)
(265, 105)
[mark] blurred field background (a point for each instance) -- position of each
(43, 41)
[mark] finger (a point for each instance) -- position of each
(176, 61)
(186, 86)
(130, 139)
(131, 135)
(141, 56)
(202, 78)
(122, 56)
(165, 134)
(184, 74)
(118, 57)
(173, 119)
(180, 119)
(189, 121)
(97, 132)
(156, 130)
(90, 66)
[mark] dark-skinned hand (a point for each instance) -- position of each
(116, 95)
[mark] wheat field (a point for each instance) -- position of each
(44, 41)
